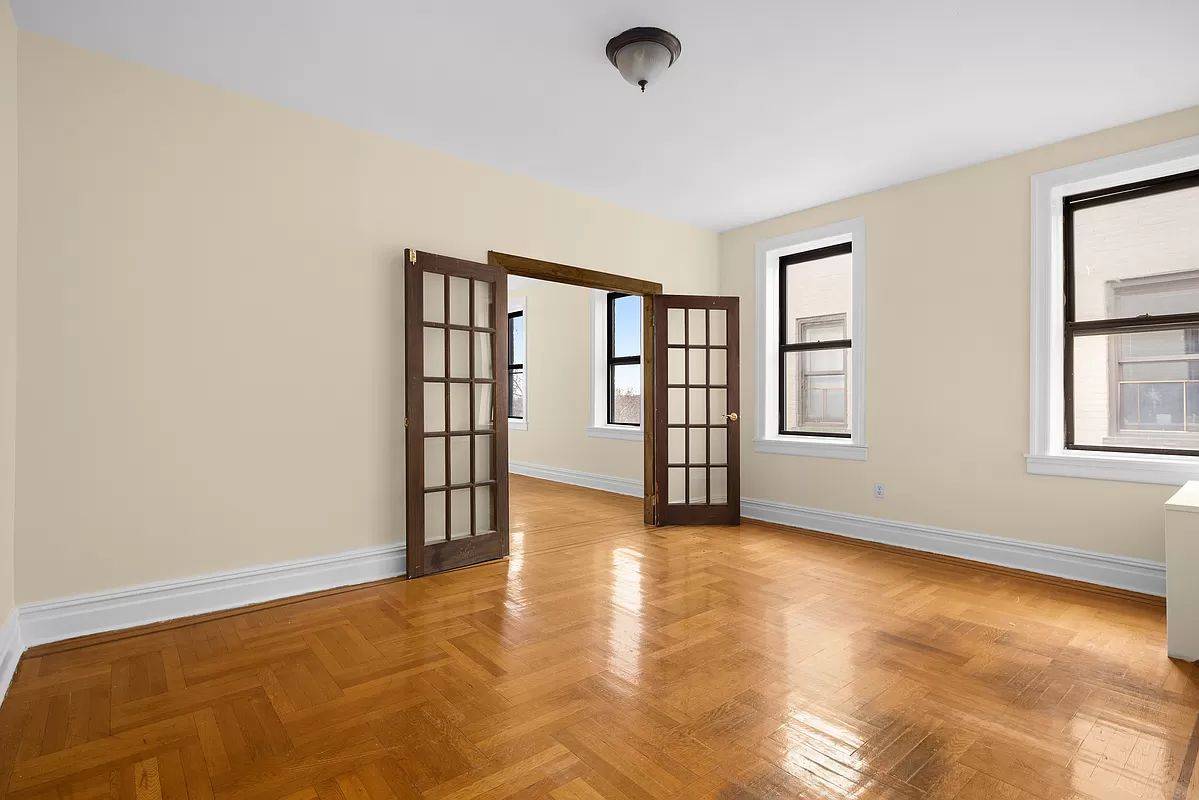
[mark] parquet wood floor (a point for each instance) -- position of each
(605, 659)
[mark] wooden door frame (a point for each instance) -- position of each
(606, 281)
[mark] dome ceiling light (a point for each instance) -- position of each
(643, 54)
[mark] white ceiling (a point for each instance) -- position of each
(774, 105)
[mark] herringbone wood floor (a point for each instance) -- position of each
(605, 659)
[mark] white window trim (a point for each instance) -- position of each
(1047, 454)
(767, 439)
(598, 426)
(521, 304)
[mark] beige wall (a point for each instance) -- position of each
(210, 332)
(948, 361)
(559, 361)
(210, 319)
(8, 309)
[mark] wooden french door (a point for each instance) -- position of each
(697, 426)
(457, 412)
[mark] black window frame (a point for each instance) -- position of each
(844, 248)
(1072, 328)
(615, 361)
(512, 366)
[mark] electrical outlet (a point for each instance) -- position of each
(880, 491)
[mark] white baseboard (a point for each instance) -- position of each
(1121, 572)
(55, 620)
(605, 483)
(10, 650)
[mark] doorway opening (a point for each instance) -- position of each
(463, 387)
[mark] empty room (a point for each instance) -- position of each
(683, 400)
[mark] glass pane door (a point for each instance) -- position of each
(457, 454)
(698, 460)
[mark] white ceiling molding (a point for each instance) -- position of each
(777, 105)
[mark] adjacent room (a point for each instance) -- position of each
(574, 413)
(683, 400)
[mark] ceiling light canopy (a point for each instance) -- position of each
(643, 54)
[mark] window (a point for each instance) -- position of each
(624, 359)
(811, 331)
(1115, 322)
(1131, 343)
(814, 343)
(616, 335)
(823, 383)
(516, 364)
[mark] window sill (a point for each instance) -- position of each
(518, 424)
(810, 447)
(615, 432)
(1167, 470)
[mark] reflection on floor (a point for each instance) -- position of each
(605, 659)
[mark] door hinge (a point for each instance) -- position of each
(405, 422)
(411, 256)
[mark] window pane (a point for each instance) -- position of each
(626, 326)
(697, 326)
(719, 360)
(516, 328)
(459, 301)
(818, 299)
(697, 406)
(484, 508)
(1128, 256)
(824, 361)
(1137, 390)
(459, 460)
(676, 406)
(459, 513)
(483, 354)
(434, 353)
(626, 394)
(484, 406)
(718, 405)
(717, 322)
(676, 367)
(697, 485)
(676, 325)
(822, 329)
(434, 407)
(434, 517)
(516, 394)
(483, 304)
(434, 300)
(698, 441)
(719, 452)
(459, 353)
(459, 406)
(719, 489)
(697, 365)
(675, 492)
(817, 391)
(434, 461)
(483, 458)
(676, 445)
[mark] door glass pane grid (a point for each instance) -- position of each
(696, 389)
(459, 378)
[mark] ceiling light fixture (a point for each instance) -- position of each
(642, 54)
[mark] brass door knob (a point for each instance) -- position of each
(732, 416)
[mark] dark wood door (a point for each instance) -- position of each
(457, 412)
(697, 425)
